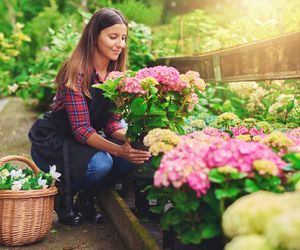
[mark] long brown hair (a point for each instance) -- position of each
(81, 60)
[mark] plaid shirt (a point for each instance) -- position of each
(77, 109)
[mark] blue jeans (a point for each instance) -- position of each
(102, 172)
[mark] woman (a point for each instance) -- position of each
(67, 135)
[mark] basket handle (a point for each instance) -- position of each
(29, 162)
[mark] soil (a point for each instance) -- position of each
(15, 120)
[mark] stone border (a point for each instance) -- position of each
(129, 228)
(3, 102)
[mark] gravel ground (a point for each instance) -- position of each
(15, 121)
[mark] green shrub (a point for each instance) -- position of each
(38, 84)
(139, 46)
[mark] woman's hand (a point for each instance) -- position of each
(133, 155)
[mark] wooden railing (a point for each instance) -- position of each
(276, 58)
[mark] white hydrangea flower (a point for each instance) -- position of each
(55, 175)
(4, 173)
(17, 173)
(17, 185)
(43, 183)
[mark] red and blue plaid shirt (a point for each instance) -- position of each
(77, 109)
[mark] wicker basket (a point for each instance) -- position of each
(26, 216)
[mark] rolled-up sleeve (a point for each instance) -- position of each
(113, 123)
(77, 109)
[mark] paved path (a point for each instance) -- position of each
(15, 121)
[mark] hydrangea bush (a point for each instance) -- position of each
(203, 172)
(156, 97)
(264, 220)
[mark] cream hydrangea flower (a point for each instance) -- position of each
(161, 141)
(227, 169)
(249, 242)
(283, 231)
(265, 167)
(251, 213)
(277, 140)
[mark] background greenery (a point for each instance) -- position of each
(37, 36)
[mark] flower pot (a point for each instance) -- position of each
(142, 205)
(211, 244)
(121, 187)
(142, 170)
(170, 241)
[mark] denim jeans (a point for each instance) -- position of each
(102, 172)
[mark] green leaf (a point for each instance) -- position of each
(215, 176)
(156, 122)
(294, 158)
(156, 110)
(171, 217)
(290, 105)
(157, 209)
(173, 107)
(211, 230)
(238, 175)
(180, 129)
(281, 109)
(155, 162)
(251, 186)
(191, 236)
(138, 106)
(109, 88)
(230, 193)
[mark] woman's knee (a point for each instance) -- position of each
(100, 162)
(122, 166)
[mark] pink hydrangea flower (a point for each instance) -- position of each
(216, 133)
(184, 165)
(132, 85)
(114, 75)
(240, 155)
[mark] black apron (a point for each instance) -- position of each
(53, 140)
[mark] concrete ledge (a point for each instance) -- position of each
(3, 102)
(129, 228)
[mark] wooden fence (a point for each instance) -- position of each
(276, 58)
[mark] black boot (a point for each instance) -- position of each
(66, 216)
(85, 204)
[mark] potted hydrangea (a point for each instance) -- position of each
(204, 173)
(156, 97)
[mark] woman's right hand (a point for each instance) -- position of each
(133, 155)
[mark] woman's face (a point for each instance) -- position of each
(111, 41)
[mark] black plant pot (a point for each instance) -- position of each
(170, 241)
(121, 187)
(142, 205)
(143, 177)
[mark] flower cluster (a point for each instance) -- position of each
(206, 138)
(251, 134)
(183, 165)
(12, 178)
(196, 154)
(155, 97)
(264, 126)
(251, 91)
(227, 120)
(161, 141)
(283, 100)
(273, 219)
(216, 133)
(278, 141)
(240, 154)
